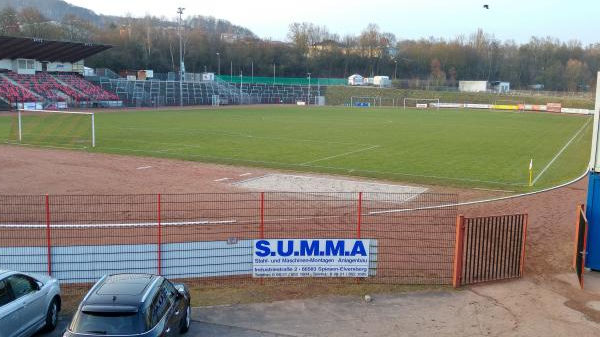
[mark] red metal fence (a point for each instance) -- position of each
(209, 236)
(489, 248)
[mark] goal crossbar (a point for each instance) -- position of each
(20, 120)
(368, 99)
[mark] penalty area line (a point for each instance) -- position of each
(560, 152)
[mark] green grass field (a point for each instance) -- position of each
(470, 148)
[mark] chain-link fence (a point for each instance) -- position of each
(209, 237)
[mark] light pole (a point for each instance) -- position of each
(219, 64)
(308, 96)
(181, 64)
(273, 73)
(395, 69)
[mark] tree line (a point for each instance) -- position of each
(218, 46)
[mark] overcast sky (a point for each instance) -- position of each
(506, 19)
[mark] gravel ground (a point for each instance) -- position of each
(315, 184)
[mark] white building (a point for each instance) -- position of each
(355, 79)
(472, 86)
(484, 86)
(500, 87)
(382, 81)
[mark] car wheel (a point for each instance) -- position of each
(186, 320)
(52, 316)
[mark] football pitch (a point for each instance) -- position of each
(463, 148)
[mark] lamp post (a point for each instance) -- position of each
(181, 64)
(219, 64)
(395, 69)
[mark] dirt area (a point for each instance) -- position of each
(549, 243)
(25, 170)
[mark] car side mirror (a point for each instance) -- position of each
(39, 285)
(180, 291)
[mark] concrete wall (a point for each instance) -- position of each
(13, 65)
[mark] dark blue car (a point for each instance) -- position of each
(133, 304)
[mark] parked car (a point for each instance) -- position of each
(28, 303)
(133, 304)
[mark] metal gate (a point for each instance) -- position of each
(489, 248)
(581, 231)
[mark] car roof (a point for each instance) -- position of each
(121, 290)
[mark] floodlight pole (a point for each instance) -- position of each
(219, 63)
(181, 65)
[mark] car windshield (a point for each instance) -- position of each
(107, 323)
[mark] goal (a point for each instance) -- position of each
(421, 103)
(53, 128)
(365, 101)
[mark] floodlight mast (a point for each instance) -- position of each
(181, 64)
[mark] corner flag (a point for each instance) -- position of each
(531, 172)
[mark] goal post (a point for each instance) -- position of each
(365, 101)
(54, 128)
(421, 103)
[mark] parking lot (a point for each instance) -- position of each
(516, 308)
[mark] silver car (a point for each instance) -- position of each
(28, 303)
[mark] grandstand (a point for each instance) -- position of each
(40, 74)
(161, 93)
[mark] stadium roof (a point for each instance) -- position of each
(45, 50)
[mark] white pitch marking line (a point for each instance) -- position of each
(560, 152)
(122, 225)
(492, 190)
(143, 167)
(245, 174)
(342, 154)
(222, 179)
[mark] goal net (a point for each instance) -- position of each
(53, 128)
(365, 101)
(421, 103)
